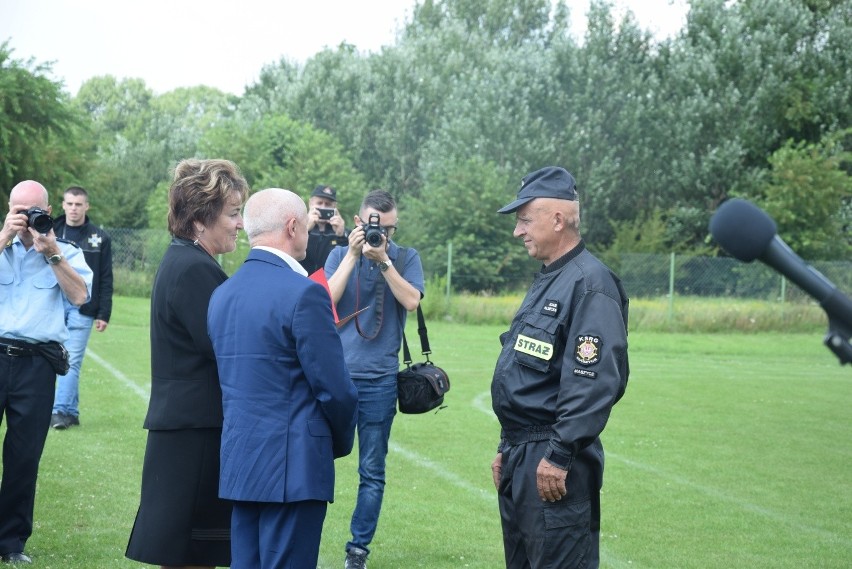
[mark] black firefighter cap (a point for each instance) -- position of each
(325, 192)
(549, 182)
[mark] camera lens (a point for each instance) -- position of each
(39, 220)
(373, 232)
(373, 236)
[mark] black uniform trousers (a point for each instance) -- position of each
(27, 384)
(544, 535)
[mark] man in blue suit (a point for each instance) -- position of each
(289, 403)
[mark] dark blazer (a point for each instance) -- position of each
(185, 390)
(290, 406)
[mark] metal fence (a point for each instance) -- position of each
(138, 249)
(648, 275)
(137, 253)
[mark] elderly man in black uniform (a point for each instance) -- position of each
(562, 367)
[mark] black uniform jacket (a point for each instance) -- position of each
(97, 250)
(564, 360)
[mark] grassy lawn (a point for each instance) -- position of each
(728, 450)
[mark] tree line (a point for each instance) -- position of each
(751, 99)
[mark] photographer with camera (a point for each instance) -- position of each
(368, 274)
(39, 275)
(326, 228)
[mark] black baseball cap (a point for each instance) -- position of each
(549, 182)
(325, 192)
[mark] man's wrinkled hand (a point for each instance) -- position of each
(550, 481)
(45, 243)
(497, 469)
(14, 223)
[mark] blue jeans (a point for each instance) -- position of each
(376, 410)
(67, 386)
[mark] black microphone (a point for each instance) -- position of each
(748, 233)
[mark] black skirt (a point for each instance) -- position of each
(181, 519)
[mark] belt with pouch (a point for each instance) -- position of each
(18, 348)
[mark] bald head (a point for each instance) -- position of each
(277, 218)
(27, 194)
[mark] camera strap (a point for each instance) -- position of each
(425, 349)
(380, 302)
(399, 265)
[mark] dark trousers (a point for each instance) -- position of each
(543, 535)
(276, 535)
(27, 386)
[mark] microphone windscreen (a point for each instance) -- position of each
(742, 229)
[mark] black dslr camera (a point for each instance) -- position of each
(373, 232)
(38, 219)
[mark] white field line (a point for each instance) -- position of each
(792, 524)
(141, 392)
(482, 403)
(441, 471)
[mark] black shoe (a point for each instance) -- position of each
(356, 558)
(19, 557)
(62, 421)
(58, 421)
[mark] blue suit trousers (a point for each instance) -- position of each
(267, 535)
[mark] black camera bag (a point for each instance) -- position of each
(420, 387)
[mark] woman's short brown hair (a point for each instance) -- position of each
(199, 191)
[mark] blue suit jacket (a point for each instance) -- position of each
(289, 404)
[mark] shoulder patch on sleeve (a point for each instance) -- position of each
(588, 350)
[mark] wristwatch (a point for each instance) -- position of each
(54, 259)
(385, 265)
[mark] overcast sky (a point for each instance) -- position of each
(223, 44)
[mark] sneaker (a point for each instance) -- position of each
(61, 421)
(57, 421)
(356, 558)
(15, 558)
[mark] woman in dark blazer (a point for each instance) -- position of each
(181, 521)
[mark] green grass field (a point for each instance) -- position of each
(728, 450)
